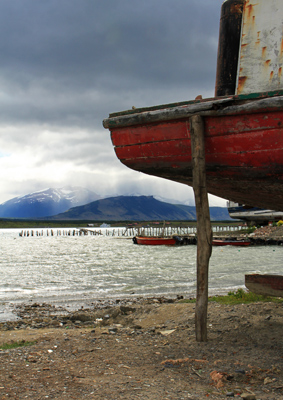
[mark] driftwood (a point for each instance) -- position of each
(204, 231)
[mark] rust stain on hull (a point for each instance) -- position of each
(241, 83)
(263, 52)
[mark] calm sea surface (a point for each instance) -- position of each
(62, 268)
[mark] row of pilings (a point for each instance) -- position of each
(169, 230)
(124, 232)
(59, 232)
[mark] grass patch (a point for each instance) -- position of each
(238, 297)
(14, 345)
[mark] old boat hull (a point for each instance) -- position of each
(225, 242)
(267, 285)
(155, 241)
(243, 142)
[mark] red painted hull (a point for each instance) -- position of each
(268, 285)
(244, 146)
(219, 242)
(155, 241)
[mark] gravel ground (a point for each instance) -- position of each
(143, 349)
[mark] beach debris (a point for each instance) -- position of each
(248, 396)
(218, 378)
(113, 330)
(268, 380)
(175, 362)
(167, 332)
(196, 372)
(240, 371)
(126, 310)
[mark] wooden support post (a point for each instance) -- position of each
(204, 232)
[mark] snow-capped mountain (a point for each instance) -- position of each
(46, 202)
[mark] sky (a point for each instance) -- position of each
(67, 64)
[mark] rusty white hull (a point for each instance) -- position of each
(243, 142)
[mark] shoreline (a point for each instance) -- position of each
(71, 304)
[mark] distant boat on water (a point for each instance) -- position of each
(174, 240)
(155, 241)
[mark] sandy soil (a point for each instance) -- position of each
(143, 349)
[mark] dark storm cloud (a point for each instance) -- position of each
(66, 64)
(68, 60)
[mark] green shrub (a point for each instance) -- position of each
(14, 345)
(241, 296)
(238, 297)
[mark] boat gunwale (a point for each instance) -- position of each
(231, 242)
(218, 106)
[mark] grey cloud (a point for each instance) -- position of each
(66, 64)
(82, 44)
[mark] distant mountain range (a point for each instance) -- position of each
(46, 202)
(136, 208)
(77, 203)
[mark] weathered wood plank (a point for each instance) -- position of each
(209, 108)
(266, 285)
(150, 133)
(218, 151)
(163, 114)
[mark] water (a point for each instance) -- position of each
(62, 268)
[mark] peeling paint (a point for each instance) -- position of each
(261, 47)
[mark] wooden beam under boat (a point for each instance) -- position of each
(266, 285)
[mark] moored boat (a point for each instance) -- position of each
(266, 285)
(155, 240)
(230, 242)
